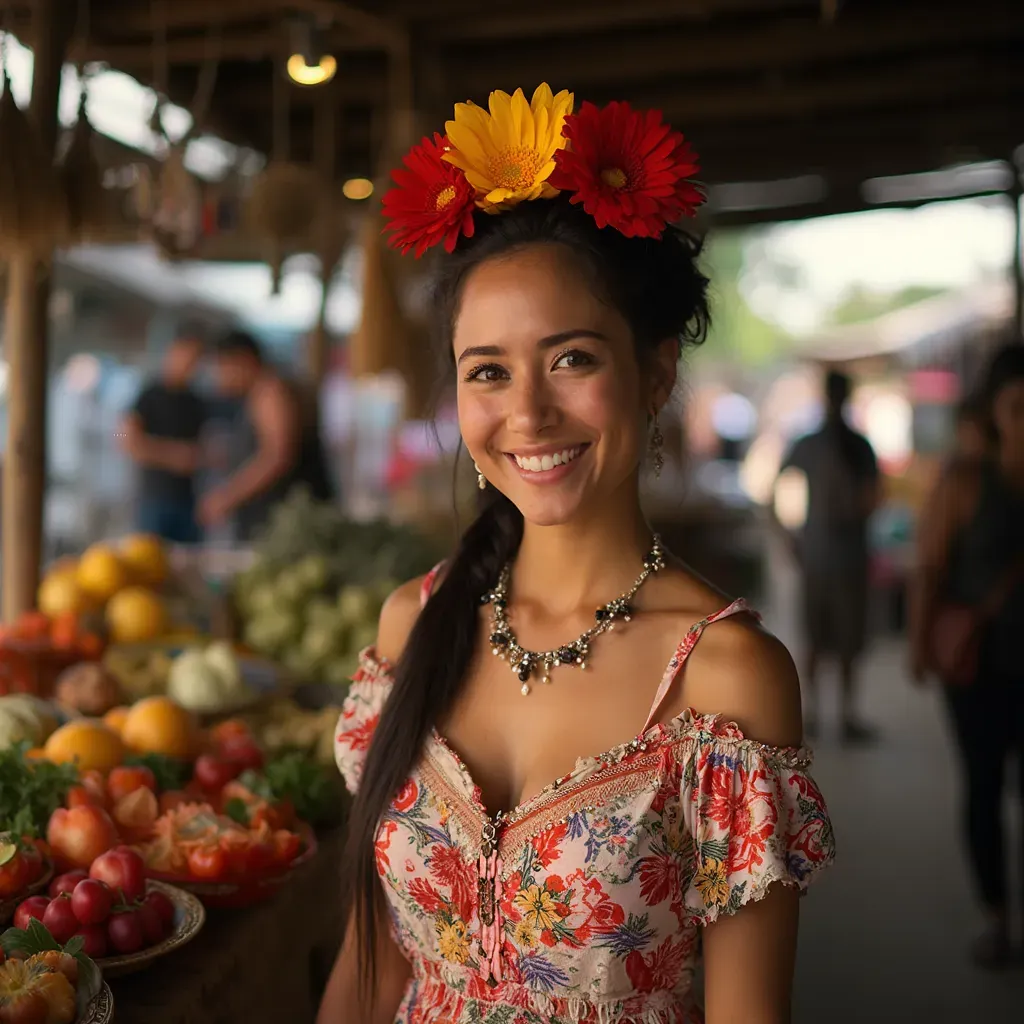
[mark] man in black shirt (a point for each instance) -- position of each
(161, 435)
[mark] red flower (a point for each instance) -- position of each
(450, 871)
(406, 796)
(432, 201)
(629, 170)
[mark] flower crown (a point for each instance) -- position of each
(629, 169)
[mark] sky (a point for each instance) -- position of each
(949, 244)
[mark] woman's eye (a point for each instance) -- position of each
(573, 358)
(489, 372)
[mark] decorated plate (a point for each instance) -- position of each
(100, 1009)
(189, 918)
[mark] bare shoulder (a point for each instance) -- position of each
(742, 672)
(397, 617)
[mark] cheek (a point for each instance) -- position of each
(478, 419)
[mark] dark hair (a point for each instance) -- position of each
(194, 331)
(237, 342)
(660, 292)
(1006, 367)
(837, 389)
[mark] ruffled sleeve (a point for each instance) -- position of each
(360, 713)
(756, 817)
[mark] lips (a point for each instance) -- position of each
(545, 463)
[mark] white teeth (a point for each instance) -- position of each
(542, 463)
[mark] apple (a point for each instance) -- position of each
(124, 929)
(94, 940)
(92, 901)
(67, 882)
(34, 906)
(152, 924)
(163, 906)
(80, 834)
(60, 919)
(123, 870)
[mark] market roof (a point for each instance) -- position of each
(820, 94)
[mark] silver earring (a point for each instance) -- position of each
(481, 480)
(654, 446)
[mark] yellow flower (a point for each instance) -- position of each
(538, 907)
(452, 941)
(525, 937)
(712, 882)
(508, 154)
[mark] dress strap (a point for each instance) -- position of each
(686, 645)
(427, 586)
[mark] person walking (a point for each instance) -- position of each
(161, 435)
(277, 440)
(967, 619)
(842, 479)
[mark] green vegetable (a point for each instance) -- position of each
(37, 939)
(237, 810)
(169, 772)
(30, 791)
(310, 787)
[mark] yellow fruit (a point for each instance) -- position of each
(115, 718)
(59, 593)
(136, 614)
(89, 741)
(100, 573)
(157, 725)
(146, 558)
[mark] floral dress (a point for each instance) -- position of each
(585, 903)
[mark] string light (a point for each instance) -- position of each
(303, 73)
(357, 188)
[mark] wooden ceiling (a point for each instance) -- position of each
(765, 89)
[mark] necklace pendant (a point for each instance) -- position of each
(525, 689)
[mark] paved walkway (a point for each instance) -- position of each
(883, 932)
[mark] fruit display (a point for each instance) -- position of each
(313, 594)
(208, 680)
(88, 742)
(87, 688)
(47, 981)
(139, 671)
(157, 725)
(36, 648)
(23, 869)
(25, 718)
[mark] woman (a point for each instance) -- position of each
(971, 559)
(480, 889)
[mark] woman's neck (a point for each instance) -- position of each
(583, 563)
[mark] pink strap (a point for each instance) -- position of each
(686, 645)
(427, 587)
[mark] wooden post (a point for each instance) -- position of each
(26, 345)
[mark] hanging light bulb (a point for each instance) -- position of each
(309, 63)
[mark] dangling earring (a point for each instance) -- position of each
(481, 480)
(654, 446)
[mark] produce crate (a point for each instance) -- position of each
(28, 666)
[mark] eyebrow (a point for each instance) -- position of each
(551, 341)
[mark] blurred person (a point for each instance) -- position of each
(966, 628)
(831, 549)
(973, 433)
(161, 434)
(276, 439)
(682, 820)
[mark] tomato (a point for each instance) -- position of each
(33, 862)
(152, 923)
(163, 906)
(34, 906)
(59, 918)
(287, 846)
(14, 876)
(243, 750)
(231, 729)
(126, 779)
(94, 939)
(247, 859)
(67, 882)
(124, 870)
(78, 836)
(207, 862)
(214, 773)
(124, 929)
(92, 901)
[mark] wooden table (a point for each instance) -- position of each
(263, 965)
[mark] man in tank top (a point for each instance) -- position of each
(277, 437)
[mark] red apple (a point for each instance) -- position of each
(94, 940)
(60, 919)
(123, 870)
(67, 882)
(92, 901)
(34, 906)
(124, 929)
(79, 835)
(163, 906)
(152, 925)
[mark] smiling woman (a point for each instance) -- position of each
(567, 856)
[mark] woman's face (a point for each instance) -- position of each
(1008, 414)
(553, 405)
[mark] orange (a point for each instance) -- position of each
(157, 725)
(146, 558)
(115, 718)
(136, 614)
(59, 593)
(87, 741)
(100, 573)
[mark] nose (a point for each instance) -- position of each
(530, 408)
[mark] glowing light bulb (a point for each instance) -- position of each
(311, 74)
(357, 188)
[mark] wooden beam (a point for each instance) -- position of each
(625, 57)
(26, 348)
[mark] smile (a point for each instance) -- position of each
(549, 466)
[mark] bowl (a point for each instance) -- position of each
(189, 918)
(39, 886)
(238, 893)
(100, 1009)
